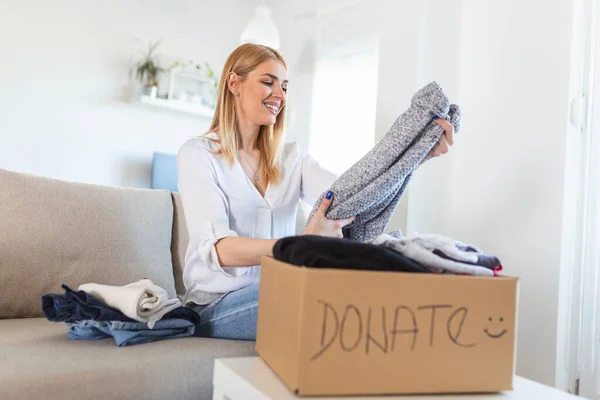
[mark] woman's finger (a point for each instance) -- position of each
(345, 221)
(325, 203)
(448, 129)
(442, 146)
(450, 134)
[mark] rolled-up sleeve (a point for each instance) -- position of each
(315, 180)
(206, 211)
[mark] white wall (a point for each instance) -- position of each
(518, 76)
(63, 80)
(438, 60)
(502, 187)
(297, 29)
(399, 51)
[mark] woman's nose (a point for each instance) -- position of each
(278, 92)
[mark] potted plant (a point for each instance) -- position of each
(148, 71)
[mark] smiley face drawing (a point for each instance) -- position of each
(495, 335)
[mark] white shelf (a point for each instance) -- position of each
(177, 105)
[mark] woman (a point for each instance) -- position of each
(240, 187)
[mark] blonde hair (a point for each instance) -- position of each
(242, 61)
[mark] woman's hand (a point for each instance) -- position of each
(446, 140)
(320, 225)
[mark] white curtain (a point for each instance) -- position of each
(586, 234)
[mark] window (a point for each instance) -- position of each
(344, 105)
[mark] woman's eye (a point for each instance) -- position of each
(284, 89)
(268, 83)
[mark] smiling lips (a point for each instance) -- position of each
(494, 336)
(273, 107)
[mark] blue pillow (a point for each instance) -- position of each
(164, 171)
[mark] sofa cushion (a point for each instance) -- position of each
(54, 232)
(38, 361)
(179, 244)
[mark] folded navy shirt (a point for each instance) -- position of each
(78, 305)
(325, 252)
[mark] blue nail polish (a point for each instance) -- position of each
(329, 194)
(435, 117)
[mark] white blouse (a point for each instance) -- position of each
(221, 201)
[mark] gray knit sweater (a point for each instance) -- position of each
(372, 187)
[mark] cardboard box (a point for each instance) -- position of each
(347, 332)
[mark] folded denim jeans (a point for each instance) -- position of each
(130, 333)
(78, 305)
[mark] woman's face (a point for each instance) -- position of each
(262, 95)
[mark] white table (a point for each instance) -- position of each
(249, 378)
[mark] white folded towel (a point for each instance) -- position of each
(142, 301)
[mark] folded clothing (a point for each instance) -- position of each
(142, 301)
(442, 254)
(324, 252)
(74, 306)
(131, 333)
(372, 188)
(78, 306)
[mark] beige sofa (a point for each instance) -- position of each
(54, 232)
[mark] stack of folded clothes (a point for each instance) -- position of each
(140, 312)
(428, 253)
(326, 252)
(442, 254)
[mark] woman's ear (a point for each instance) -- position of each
(233, 83)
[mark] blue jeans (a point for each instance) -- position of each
(130, 333)
(78, 306)
(232, 317)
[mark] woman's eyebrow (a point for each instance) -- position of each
(274, 77)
